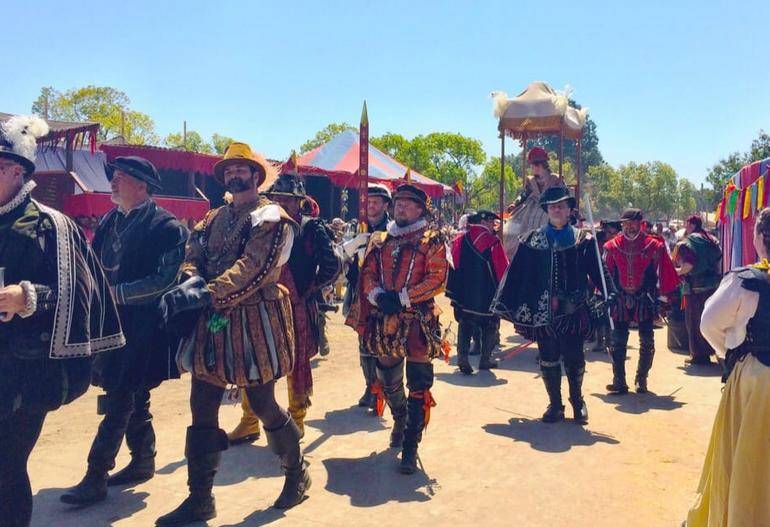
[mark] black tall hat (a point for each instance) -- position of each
(287, 185)
(136, 167)
(556, 195)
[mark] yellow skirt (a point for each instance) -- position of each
(734, 488)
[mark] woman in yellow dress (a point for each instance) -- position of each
(733, 489)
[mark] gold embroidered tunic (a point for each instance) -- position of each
(247, 336)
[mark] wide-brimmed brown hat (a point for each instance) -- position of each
(242, 153)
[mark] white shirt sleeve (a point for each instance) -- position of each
(727, 313)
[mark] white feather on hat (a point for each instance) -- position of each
(22, 132)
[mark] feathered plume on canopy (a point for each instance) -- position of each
(22, 133)
(499, 103)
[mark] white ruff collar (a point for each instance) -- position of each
(19, 198)
(396, 231)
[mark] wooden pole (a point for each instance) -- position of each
(184, 135)
(561, 150)
(502, 179)
(123, 126)
(578, 170)
(363, 169)
(68, 153)
(524, 160)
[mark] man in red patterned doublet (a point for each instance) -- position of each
(643, 272)
(404, 269)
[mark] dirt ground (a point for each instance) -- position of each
(486, 458)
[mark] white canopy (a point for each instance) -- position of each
(538, 110)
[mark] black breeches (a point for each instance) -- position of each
(483, 329)
(646, 335)
(568, 348)
(206, 398)
(18, 435)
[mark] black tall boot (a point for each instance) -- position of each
(465, 332)
(284, 442)
(551, 373)
(646, 354)
(419, 377)
(203, 449)
(369, 368)
(575, 380)
(486, 362)
(117, 409)
(618, 386)
(392, 380)
(140, 438)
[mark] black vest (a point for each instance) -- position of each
(757, 340)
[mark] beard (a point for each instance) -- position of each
(403, 222)
(236, 185)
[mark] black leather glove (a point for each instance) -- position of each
(612, 299)
(191, 296)
(389, 303)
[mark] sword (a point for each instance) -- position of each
(598, 256)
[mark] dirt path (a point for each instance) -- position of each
(487, 459)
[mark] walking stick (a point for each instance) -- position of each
(598, 257)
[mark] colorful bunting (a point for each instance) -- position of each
(746, 203)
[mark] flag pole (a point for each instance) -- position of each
(363, 169)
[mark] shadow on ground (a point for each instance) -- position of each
(121, 503)
(480, 379)
(702, 370)
(343, 422)
(260, 517)
(548, 437)
(633, 403)
(239, 463)
(526, 360)
(374, 480)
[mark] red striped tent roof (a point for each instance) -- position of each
(338, 160)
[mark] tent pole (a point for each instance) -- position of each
(502, 179)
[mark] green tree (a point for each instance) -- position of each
(483, 191)
(686, 202)
(194, 143)
(329, 132)
(220, 143)
(725, 168)
(443, 156)
(107, 106)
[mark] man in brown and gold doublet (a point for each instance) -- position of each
(245, 337)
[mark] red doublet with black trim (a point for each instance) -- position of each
(630, 259)
(642, 270)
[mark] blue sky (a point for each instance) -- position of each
(682, 82)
